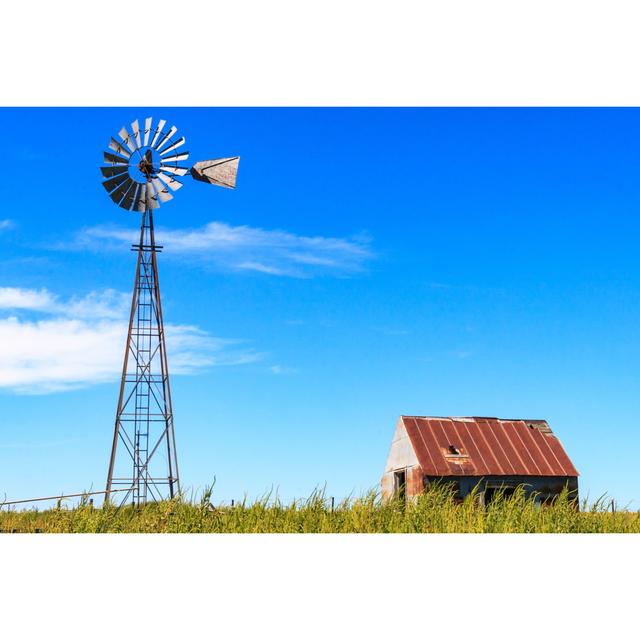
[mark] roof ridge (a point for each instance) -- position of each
(405, 415)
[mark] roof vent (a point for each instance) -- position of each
(541, 426)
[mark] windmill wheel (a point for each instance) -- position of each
(141, 167)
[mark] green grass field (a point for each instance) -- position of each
(434, 512)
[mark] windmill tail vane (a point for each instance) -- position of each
(141, 172)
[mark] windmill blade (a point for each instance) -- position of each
(117, 194)
(152, 198)
(109, 158)
(178, 171)
(129, 196)
(175, 145)
(147, 130)
(158, 132)
(221, 171)
(136, 196)
(126, 138)
(135, 127)
(140, 203)
(161, 191)
(166, 138)
(176, 158)
(172, 183)
(118, 148)
(109, 172)
(113, 183)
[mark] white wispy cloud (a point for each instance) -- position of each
(280, 370)
(243, 248)
(106, 304)
(79, 342)
(6, 224)
(16, 298)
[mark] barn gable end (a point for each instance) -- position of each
(402, 456)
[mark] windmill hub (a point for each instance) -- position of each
(148, 167)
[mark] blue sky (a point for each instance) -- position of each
(370, 263)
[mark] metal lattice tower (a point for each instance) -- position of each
(144, 419)
(139, 174)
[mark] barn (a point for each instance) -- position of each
(466, 452)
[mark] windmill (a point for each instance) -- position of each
(140, 174)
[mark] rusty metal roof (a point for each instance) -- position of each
(487, 447)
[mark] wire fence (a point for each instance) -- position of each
(83, 495)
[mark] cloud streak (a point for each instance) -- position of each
(32, 299)
(279, 370)
(243, 248)
(80, 342)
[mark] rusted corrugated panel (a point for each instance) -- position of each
(526, 449)
(487, 447)
(499, 445)
(425, 446)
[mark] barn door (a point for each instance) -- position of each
(400, 485)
